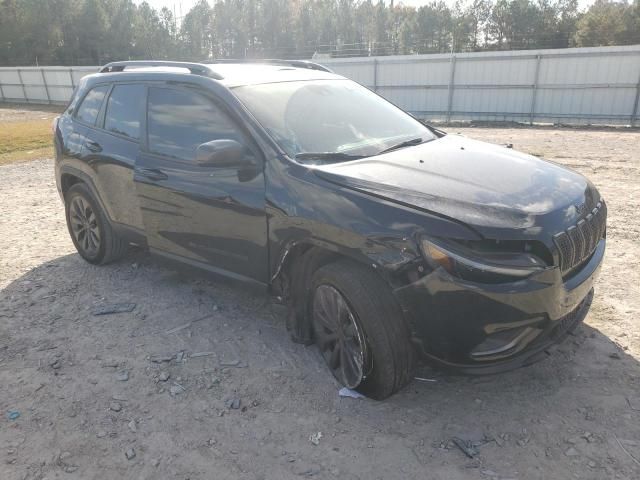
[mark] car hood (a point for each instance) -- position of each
(483, 185)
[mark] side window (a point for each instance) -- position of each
(90, 106)
(180, 120)
(124, 110)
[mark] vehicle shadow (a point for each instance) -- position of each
(576, 414)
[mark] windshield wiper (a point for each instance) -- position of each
(406, 143)
(327, 156)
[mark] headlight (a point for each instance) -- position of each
(481, 264)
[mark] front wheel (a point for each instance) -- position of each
(359, 329)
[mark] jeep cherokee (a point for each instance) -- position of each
(390, 241)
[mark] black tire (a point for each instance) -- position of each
(388, 354)
(100, 244)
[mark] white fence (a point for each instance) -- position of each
(572, 86)
(52, 85)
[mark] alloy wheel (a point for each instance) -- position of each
(338, 335)
(84, 226)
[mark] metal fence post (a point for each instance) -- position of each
(375, 74)
(73, 85)
(46, 88)
(534, 93)
(634, 114)
(2, 97)
(452, 75)
(24, 90)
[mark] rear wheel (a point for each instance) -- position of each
(359, 329)
(91, 233)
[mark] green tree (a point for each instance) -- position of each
(609, 23)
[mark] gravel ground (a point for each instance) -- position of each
(152, 393)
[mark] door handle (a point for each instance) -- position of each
(93, 146)
(152, 173)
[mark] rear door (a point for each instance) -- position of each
(111, 148)
(74, 125)
(209, 216)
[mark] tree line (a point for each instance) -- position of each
(93, 32)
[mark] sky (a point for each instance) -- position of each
(186, 5)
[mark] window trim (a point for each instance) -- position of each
(74, 114)
(102, 115)
(251, 143)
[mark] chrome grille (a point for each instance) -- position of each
(578, 242)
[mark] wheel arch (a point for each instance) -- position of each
(69, 176)
(291, 280)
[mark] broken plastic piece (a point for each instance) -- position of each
(13, 414)
(466, 446)
(347, 392)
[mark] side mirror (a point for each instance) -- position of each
(222, 153)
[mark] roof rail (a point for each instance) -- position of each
(194, 68)
(275, 61)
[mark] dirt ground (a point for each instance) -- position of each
(158, 383)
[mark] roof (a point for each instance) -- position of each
(230, 73)
(238, 74)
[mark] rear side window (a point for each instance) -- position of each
(180, 120)
(124, 110)
(90, 106)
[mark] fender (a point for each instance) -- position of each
(133, 234)
(69, 170)
(300, 258)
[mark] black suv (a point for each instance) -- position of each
(389, 240)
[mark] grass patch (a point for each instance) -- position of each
(25, 140)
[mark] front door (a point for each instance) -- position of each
(213, 217)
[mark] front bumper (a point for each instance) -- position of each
(488, 328)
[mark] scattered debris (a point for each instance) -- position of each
(132, 426)
(130, 454)
(347, 392)
(115, 407)
(615, 355)
(64, 461)
(164, 376)
(177, 329)
(114, 308)
(201, 354)
(634, 403)
(176, 389)
(315, 438)
(232, 403)
(229, 363)
(422, 379)
(13, 414)
(572, 452)
(180, 356)
(636, 461)
(162, 358)
(55, 364)
(122, 375)
(187, 325)
(466, 446)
